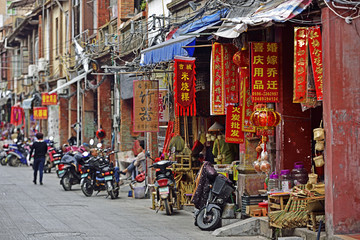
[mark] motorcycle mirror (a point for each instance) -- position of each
(91, 142)
(15, 140)
(85, 154)
(99, 145)
(147, 154)
(51, 138)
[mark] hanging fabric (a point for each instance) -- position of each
(184, 86)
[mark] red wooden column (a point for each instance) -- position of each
(341, 56)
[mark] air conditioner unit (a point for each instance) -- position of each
(42, 65)
(32, 70)
(60, 83)
(27, 80)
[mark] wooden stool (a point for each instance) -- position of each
(187, 197)
(256, 213)
(153, 202)
(313, 224)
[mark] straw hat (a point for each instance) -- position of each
(216, 127)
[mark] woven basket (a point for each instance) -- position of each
(319, 133)
(319, 161)
(320, 145)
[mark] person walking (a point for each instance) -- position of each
(40, 149)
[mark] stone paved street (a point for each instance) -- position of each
(29, 211)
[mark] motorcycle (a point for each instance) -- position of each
(70, 172)
(3, 154)
(49, 161)
(208, 215)
(17, 154)
(165, 185)
(60, 154)
(99, 175)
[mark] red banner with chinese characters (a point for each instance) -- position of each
(247, 104)
(40, 113)
(300, 64)
(145, 106)
(217, 83)
(264, 72)
(233, 132)
(184, 86)
(315, 47)
(163, 105)
(230, 74)
(48, 99)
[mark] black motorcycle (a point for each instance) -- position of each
(165, 186)
(71, 169)
(99, 175)
(208, 216)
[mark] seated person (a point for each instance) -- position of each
(138, 162)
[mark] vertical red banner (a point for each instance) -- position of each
(315, 47)
(300, 64)
(217, 83)
(48, 99)
(246, 102)
(233, 131)
(230, 74)
(264, 71)
(184, 86)
(40, 113)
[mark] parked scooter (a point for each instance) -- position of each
(99, 174)
(70, 173)
(165, 185)
(219, 188)
(3, 154)
(17, 154)
(49, 160)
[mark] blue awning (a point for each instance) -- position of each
(166, 51)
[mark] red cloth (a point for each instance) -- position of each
(17, 115)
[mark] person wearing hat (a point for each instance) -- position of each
(39, 148)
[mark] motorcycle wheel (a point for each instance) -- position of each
(87, 188)
(3, 161)
(168, 207)
(13, 161)
(65, 182)
(211, 221)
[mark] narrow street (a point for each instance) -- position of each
(29, 211)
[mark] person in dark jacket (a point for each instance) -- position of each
(40, 149)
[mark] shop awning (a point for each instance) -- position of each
(273, 11)
(185, 36)
(26, 104)
(74, 80)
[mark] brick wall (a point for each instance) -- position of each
(104, 109)
(103, 12)
(125, 7)
(63, 120)
(126, 139)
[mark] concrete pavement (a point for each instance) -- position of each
(29, 211)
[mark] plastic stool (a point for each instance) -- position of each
(264, 208)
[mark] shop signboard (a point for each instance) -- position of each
(234, 133)
(145, 109)
(315, 48)
(184, 86)
(163, 105)
(40, 113)
(48, 99)
(246, 102)
(264, 72)
(17, 115)
(300, 64)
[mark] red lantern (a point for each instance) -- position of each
(241, 58)
(265, 118)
